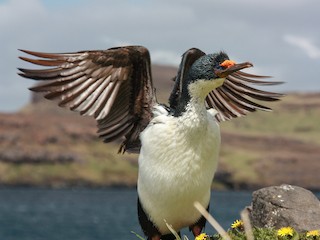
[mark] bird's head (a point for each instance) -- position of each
(214, 66)
(210, 71)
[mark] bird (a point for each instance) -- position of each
(178, 143)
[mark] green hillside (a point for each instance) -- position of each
(276, 147)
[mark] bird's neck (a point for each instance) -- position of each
(194, 114)
(193, 96)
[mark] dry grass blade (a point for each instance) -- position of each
(137, 235)
(172, 231)
(212, 221)
(247, 225)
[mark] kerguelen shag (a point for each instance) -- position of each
(179, 142)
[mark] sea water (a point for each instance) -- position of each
(90, 214)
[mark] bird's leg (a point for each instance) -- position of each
(157, 237)
(196, 230)
(197, 227)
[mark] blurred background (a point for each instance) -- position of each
(59, 181)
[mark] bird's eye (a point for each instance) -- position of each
(219, 67)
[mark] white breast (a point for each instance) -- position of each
(177, 162)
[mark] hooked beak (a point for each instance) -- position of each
(234, 68)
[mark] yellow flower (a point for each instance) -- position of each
(237, 224)
(285, 231)
(202, 236)
(313, 233)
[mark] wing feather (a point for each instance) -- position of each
(110, 85)
(235, 98)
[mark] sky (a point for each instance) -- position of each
(281, 38)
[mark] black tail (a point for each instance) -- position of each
(148, 227)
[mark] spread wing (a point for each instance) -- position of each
(114, 86)
(236, 97)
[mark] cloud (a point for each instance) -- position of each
(304, 44)
(246, 30)
(165, 57)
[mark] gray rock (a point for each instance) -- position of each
(285, 205)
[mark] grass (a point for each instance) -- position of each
(239, 163)
(258, 234)
(265, 234)
(96, 167)
(297, 121)
(91, 173)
